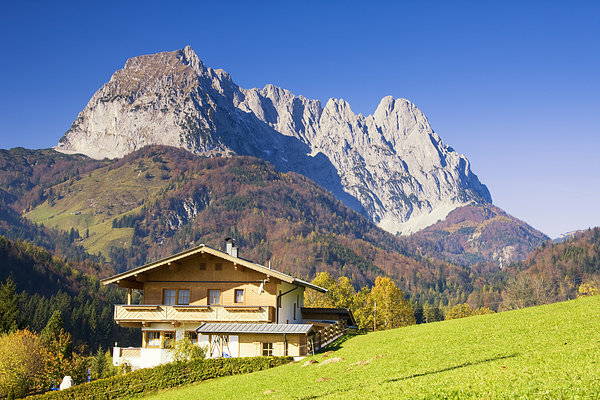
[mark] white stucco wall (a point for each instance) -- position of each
(286, 312)
(148, 358)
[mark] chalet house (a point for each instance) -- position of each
(234, 307)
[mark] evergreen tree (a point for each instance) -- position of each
(56, 339)
(432, 313)
(9, 307)
(53, 327)
(102, 365)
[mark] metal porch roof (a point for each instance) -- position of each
(208, 328)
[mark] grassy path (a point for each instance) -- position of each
(547, 352)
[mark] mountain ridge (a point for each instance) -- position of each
(390, 166)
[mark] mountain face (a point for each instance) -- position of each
(390, 166)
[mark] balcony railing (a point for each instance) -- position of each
(163, 313)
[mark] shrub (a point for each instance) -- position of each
(185, 350)
(164, 376)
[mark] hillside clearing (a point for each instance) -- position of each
(545, 352)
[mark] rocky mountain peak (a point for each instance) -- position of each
(390, 166)
(189, 57)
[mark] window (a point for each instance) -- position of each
(267, 349)
(153, 339)
(239, 296)
(193, 336)
(169, 297)
(172, 297)
(218, 266)
(202, 266)
(169, 339)
(294, 311)
(214, 297)
(183, 296)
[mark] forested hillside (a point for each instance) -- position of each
(160, 200)
(39, 283)
(561, 269)
(26, 178)
(479, 234)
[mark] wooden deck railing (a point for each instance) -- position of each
(162, 313)
(325, 336)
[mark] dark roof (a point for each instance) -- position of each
(207, 328)
(315, 313)
(342, 311)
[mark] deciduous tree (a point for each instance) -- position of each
(22, 361)
(392, 309)
(459, 311)
(588, 289)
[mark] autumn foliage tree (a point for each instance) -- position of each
(390, 307)
(588, 289)
(59, 348)
(459, 311)
(22, 362)
(381, 307)
(340, 293)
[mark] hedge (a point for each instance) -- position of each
(162, 377)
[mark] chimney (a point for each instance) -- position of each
(230, 247)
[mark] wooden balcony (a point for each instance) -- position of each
(132, 315)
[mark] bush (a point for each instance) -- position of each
(185, 350)
(164, 376)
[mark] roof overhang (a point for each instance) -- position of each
(128, 278)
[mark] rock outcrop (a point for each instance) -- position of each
(391, 165)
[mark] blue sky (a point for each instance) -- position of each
(513, 85)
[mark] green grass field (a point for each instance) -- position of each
(547, 352)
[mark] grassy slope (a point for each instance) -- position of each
(93, 201)
(545, 352)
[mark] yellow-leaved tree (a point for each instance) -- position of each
(389, 306)
(459, 311)
(22, 362)
(588, 289)
(384, 302)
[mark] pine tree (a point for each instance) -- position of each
(53, 327)
(100, 364)
(9, 307)
(56, 339)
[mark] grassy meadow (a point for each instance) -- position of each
(546, 352)
(94, 201)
